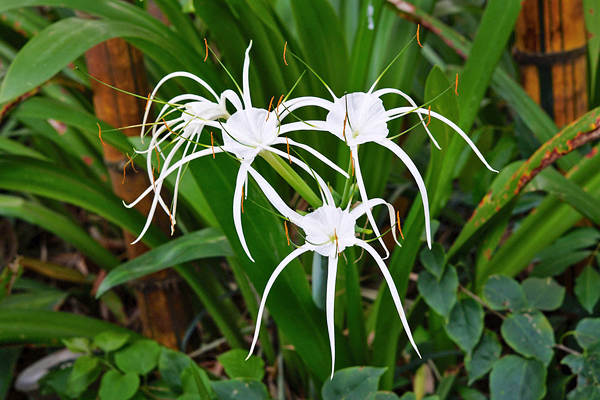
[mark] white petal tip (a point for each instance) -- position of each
(250, 355)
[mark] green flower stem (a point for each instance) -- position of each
(348, 189)
(319, 280)
(291, 177)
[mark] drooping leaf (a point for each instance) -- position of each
(586, 288)
(117, 386)
(208, 242)
(502, 292)
(236, 366)
(543, 293)
(353, 383)
(484, 355)
(466, 324)
(439, 295)
(140, 357)
(515, 378)
(530, 334)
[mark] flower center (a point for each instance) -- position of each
(247, 130)
(329, 230)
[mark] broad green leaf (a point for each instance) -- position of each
(85, 372)
(591, 13)
(440, 296)
(484, 355)
(236, 366)
(140, 357)
(586, 332)
(470, 394)
(171, 364)
(240, 389)
(208, 242)
(9, 357)
(556, 266)
(381, 395)
(353, 383)
(52, 221)
(111, 341)
(433, 260)
(55, 382)
(587, 369)
(194, 381)
(466, 324)
(515, 378)
(529, 334)
(586, 288)
(543, 293)
(61, 43)
(78, 344)
(502, 292)
(117, 386)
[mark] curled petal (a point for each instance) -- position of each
(246, 79)
(237, 205)
(404, 110)
(393, 291)
(397, 150)
(381, 92)
(363, 207)
(297, 252)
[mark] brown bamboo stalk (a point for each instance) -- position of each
(550, 47)
(116, 63)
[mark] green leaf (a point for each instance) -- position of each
(586, 288)
(358, 383)
(470, 394)
(9, 357)
(85, 372)
(466, 324)
(529, 334)
(502, 292)
(171, 364)
(140, 357)
(484, 355)
(543, 293)
(111, 341)
(78, 344)
(381, 395)
(208, 242)
(194, 380)
(236, 366)
(240, 389)
(514, 378)
(117, 386)
(440, 296)
(587, 368)
(433, 260)
(586, 332)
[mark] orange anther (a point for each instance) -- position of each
(337, 243)
(399, 227)
(429, 115)
(100, 134)
(157, 158)
(284, 50)
(212, 144)
(242, 204)
(344, 127)
(352, 162)
(147, 102)
(269, 110)
(288, 149)
(206, 50)
(279, 103)
(456, 85)
(418, 41)
(287, 234)
(132, 164)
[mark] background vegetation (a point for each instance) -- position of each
(505, 305)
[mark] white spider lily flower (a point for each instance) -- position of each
(358, 118)
(329, 230)
(246, 133)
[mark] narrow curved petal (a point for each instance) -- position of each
(296, 253)
(405, 110)
(309, 125)
(393, 290)
(397, 150)
(274, 198)
(365, 199)
(237, 205)
(381, 92)
(246, 79)
(329, 306)
(233, 99)
(294, 104)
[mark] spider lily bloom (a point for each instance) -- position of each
(246, 134)
(329, 230)
(358, 118)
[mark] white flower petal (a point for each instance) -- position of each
(329, 306)
(401, 154)
(296, 253)
(246, 79)
(393, 291)
(237, 205)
